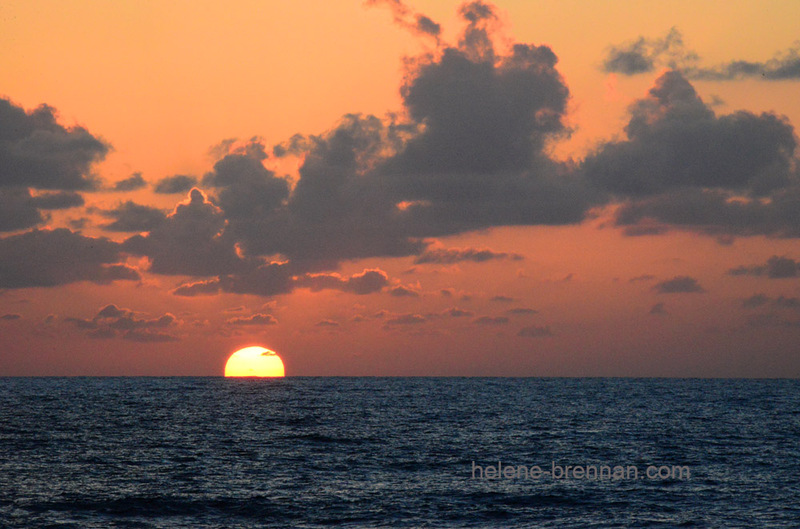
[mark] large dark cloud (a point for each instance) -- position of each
(675, 142)
(175, 184)
(130, 216)
(682, 165)
(776, 267)
(36, 151)
(455, 255)
(132, 183)
(44, 258)
(20, 209)
(645, 55)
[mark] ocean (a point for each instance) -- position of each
(398, 452)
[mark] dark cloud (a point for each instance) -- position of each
(366, 282)
(522, 311)
(46, 258)
(535, 332)
(130, 216)
(455, 255)
(756, 300)
(645, 55)
(9, 317)
(404, 17)
(112, 320)
(20, 209)
(255, 319)
(658, 309)
(679, 284)
(58, 200)
(455, 312)
(676, 142)
(400, 292)
(132, 183)
(775, 268)
(189, 241)
(327, 323)
(35, 151)
(502, 299)
(407, 319)
(175, 184)
(491, 320)
(643, 277)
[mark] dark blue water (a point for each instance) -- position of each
(397, 452)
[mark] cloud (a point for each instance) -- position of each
(189, 241)
(175, 184)
(491, 320)
(643, 277)
(37, 152)
(130, 216)
(675, 142)
(20, 209)
(455, 312)
(756, 300)
(535, 332)
(404, 17)
(407, 319)
(255, 319)
(522, 311)
(47, 258)
(502, 299)
(775, 268)
(455, 255)
(679, 284)
(658, 309)
(366, 282)
(9, 317)
(327, 323)
(644, 55)
(401, 291)
(112, 320)
(132, 183)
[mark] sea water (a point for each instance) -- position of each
(398, 452)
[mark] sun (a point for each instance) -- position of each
(254, 361)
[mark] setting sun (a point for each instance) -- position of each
(254, 361)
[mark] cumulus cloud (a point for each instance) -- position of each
(455, 312)
(112, 321)
(407, 319)
(679, 284)
(36, 151)
(10, 317)
(775, 268)
(255, 319)
(683, 166)
(756, 300)
(535, 332)
(366, 282)
(20, 209)
(646, 54)
(406, 18)
(455, 255)
(130, 216)
(175, 184)
(401, 291)
(46, 258)
(132, 183)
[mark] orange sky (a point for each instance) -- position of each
(164, 83)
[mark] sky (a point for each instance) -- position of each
(409, 188)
